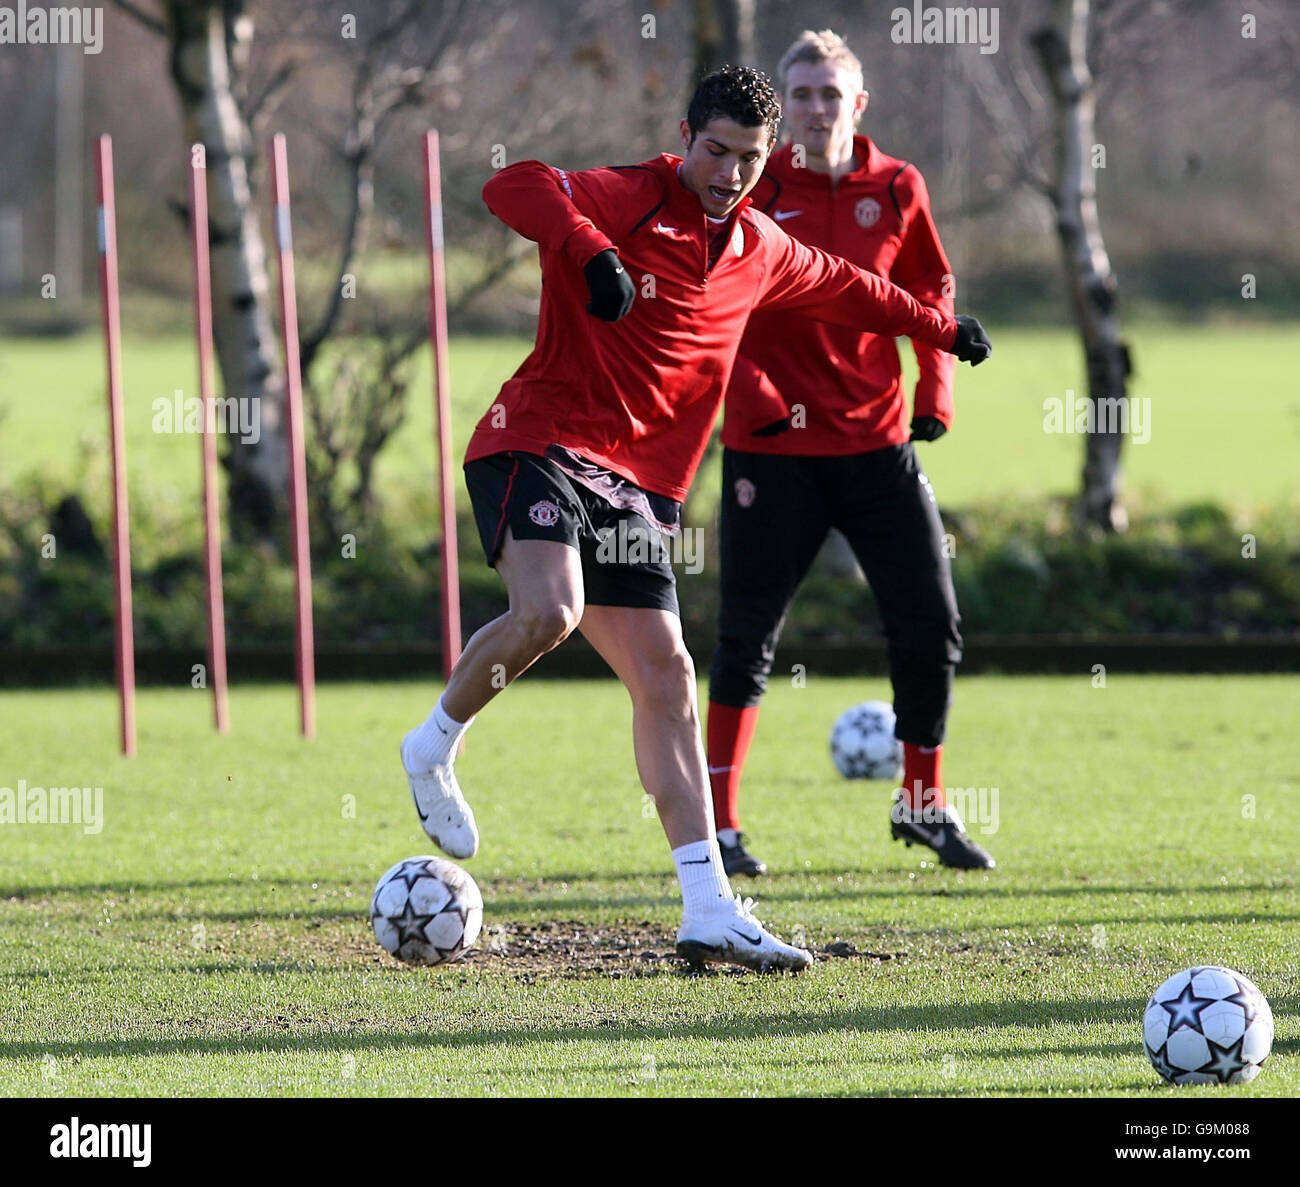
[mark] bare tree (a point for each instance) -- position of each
(723, 34)
(383, 85)
(355, 401)
(1015, 108)
(1062, 49)
(209, 42)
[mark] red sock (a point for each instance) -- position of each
(922, 783)
(730, 731)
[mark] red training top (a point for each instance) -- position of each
(640, 396)
(840, 388)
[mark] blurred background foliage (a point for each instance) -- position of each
(1202, 149)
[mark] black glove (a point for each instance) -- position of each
(927, 428)
(612, 292)
(972, 344)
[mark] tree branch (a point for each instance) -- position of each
(376, 96)
(993, 97)
(504, 264)
(312, 342)
(274, 85)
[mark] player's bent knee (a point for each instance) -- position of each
(545, 627)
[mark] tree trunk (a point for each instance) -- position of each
(723, 34)
(1062, 51)
(205, 36)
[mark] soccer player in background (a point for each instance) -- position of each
(649, 272)
(816, 436)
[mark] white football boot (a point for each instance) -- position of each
(732, 935)
(443, 810)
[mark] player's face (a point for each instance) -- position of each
(722, 163)
(821, 107)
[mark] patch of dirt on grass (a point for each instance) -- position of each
(573, 949)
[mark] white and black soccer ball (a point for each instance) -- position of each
(1208, 1025)
(863, 745)
(427, 910)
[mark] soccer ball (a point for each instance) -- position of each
(1208, 1025)
(427, 910)
(863, 743)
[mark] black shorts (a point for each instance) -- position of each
(537, 500)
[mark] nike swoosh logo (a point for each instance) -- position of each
(436, 725)
(782, 215)
(702, 862)
(666, 230)
(741, 934)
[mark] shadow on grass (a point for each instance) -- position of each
(568, 904)
(65, 889)
(514, 897)
(867, 1019)
(679, 1078)
(938, 882)
(779, 886)
(795, 888)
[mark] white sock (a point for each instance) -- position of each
(704, 882)
(728, 836)
(435, 742)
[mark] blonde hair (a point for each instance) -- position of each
(826, 46)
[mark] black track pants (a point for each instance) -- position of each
(776, 512)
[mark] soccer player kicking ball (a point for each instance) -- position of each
(816, 437)
(649, 273)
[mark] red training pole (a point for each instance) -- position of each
(123, 629)
(442, 387)
(211, 509)
(304, 652)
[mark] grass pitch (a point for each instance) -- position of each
(212, 938)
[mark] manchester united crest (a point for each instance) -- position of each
(867, 212)
(544, 514)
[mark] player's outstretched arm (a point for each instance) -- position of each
(564, 212)
(828, 288)
(538, 202)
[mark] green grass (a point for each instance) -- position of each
(1225, 419)
(212, 938)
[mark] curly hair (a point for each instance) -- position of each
(738, 93)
